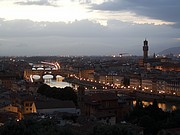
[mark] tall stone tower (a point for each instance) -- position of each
(145, 49)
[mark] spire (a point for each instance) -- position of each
(145, 42)
(154, 56)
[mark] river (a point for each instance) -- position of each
(170, 106)
(58, 84)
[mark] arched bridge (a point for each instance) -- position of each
(42, 69)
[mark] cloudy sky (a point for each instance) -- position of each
(87, 27)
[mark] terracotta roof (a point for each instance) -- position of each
(50, 104)
(96, 97)
(103, 115)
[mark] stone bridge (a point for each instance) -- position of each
(28, 73)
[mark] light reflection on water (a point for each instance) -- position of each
(163, 106)
(58, 84)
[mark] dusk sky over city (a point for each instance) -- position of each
(87, 27)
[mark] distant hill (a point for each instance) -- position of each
(173, 50)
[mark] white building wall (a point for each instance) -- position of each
(10, 108)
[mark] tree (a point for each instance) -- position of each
(66, 93)
(33, 127)
(155, 104)
(126, 81)
(113, 130)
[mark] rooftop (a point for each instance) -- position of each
(52, 103)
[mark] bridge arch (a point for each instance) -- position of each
(40, 68)
(47, 78)
(36, 77)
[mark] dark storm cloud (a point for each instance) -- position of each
(167, 10)
(21, 45)
(25, 37)
(27, 28)
(83, 28)
(38, 2)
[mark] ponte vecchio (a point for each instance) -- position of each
(41, 70)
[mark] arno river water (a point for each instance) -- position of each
(170, 106)
(59, 84)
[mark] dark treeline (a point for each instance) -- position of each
(153, 119)
(48, 127)
(32, 127)
(66, 93)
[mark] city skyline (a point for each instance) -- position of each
(87, 27)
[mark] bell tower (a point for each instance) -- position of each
(145, 49)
